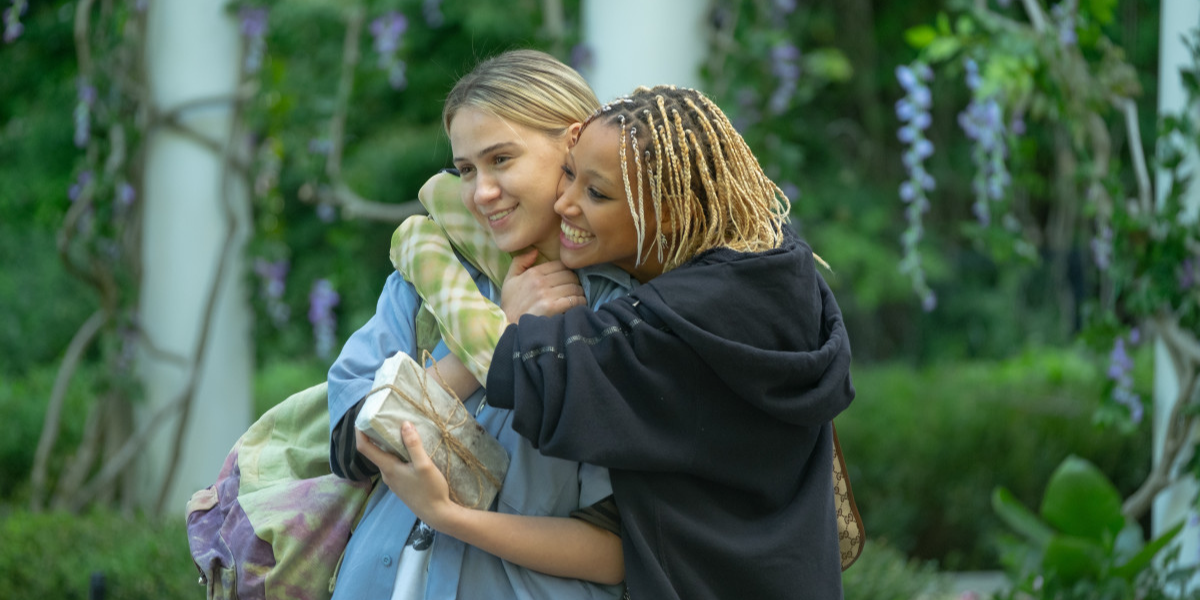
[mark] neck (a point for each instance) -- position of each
(545, 252)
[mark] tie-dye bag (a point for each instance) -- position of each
(277, 521)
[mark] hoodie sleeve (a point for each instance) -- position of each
(617, 389)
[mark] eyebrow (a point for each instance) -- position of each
(596, 175)
(486, 151)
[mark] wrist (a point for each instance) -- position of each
(452, 519)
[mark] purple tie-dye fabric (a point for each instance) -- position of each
(276, 522)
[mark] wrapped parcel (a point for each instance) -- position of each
(473, 462)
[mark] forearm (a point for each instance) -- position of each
(559, 546)
(453, 376)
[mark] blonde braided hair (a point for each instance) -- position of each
(698, 168)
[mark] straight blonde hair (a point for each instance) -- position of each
(527, 87)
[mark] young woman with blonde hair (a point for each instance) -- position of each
(552, 532)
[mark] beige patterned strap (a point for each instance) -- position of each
(851, 534)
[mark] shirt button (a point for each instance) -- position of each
(387, 561)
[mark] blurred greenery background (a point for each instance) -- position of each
(989, 389)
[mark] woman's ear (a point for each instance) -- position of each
(573, 134)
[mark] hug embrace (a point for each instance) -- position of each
(661, 356)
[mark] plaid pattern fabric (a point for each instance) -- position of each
(423, 252)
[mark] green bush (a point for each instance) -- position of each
(23, 403)
(884, 573)
(53, 555)
(275, 381)
(925, 448)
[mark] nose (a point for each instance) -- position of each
(566, 205)
(487, 189)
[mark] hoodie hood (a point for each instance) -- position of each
(766, 323)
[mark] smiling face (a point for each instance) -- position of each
(510, 176)
(597, 223)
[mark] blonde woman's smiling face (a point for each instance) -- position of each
(510, 176)
(597, 222)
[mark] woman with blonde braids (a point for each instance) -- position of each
(710, 390)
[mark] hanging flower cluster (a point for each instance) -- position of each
(321, 301)
(1065, 19)
(387, 31)
(785, 66)
(1120, 371)
(12, 20)
(1102, 247)
(86, 95)
(582, 57)
(432, 10)
(273, 278)
(254, 29)
(1189, 273)
(913, 112)
(983, 123)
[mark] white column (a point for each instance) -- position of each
(193, 51)
(644, 42)
(1179, 18)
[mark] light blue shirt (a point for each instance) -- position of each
(534, 485)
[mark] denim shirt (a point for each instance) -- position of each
(535, 485)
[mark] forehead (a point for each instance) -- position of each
(472, 131)
(598, 148)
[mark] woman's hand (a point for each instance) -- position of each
(546, 289)
(418, 483)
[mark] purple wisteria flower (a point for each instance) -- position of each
(748, 114)
(387, 31)
(432, 10)
(785, 66)
(273, 279)
(785, 7)
(1101, 246)
(12, 20)
(125, 196)
(82, 181)
(86, 94)
(254, 29)
(1066, 18)
(1120, 371)
(983, 123)
(321, 301)
(326, 212)
(913, 112)
(582, 57)
(321, 146)
(1189, 273)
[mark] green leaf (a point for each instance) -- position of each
(942, 49)
(920, 36)
(1073, 558)
(943, 24)
(829, 64)
(1138, 563)
(964, 26)
(1081, 501)
(1021, 519)
(1102, 10)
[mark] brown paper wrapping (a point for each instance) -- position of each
(473, 462)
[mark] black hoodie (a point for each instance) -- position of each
(708, 393)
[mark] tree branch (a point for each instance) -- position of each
(1036, 17)
(356, 207)
(1137, 155)
(80, 342)
(337, 123)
